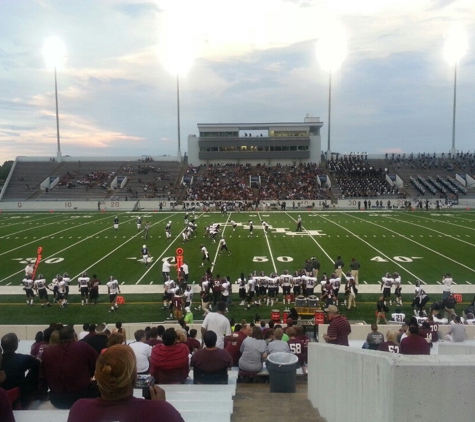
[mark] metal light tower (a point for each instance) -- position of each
(331, 51)
(54, 52)
(455, 48)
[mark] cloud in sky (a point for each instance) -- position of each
(254, 62)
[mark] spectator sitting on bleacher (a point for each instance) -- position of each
(210, 364)
(5, 405)
(116, 374)
(373, 339)
(234, 341)
(278, 345)
(67, 368)
(97, 339)
(169, 361)
(298, 344)
(20, 370)
(253, 351)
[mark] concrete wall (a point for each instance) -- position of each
(348, 384)
(449, 348)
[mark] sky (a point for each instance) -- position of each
(245, 61)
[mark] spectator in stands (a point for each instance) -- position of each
(253, 352)
(390, 345)
(5, 404)
(234, 341)
(142, 351)
(35, 347)
(414, 344)
(169, 361)
(339, 328)
(20, 370)
(119, 329)
(192, 343)
(298, 344)
(67, 368)
(98, 339)
(114, 338)
(217, 322)
(84, 332)
(456, 332)
(153, 337)
(210, 364)
(278, 345)
(373, 339)
(116, 374)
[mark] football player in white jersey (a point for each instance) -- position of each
(286, 283)
(251, 290)
(420, 299)
(336, 283)
(397, 283)
(66, 280)
(241, 282)
(188, 296)
(265, 226)
(83, 286)
(145, 255)
(204, 255)
(168, 287)
(386, 283)
(398, 316)
(53, 286)
(113, 289)
(234, 224)
(61, 292)
(223, 246)
(27, 284)
(42, 290)
(273, 288)
(168, 231)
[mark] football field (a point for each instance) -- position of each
(421, 245)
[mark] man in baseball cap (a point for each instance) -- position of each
(339, 328)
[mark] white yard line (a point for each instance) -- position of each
(420, 244)
(314, 239)
(23, 222)
(159, 259)
(268, 245)
(72, 245)
(372, 247)
(213, 264)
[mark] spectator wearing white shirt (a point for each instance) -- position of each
(142, 352)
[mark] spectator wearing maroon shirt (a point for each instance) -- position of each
(211, 364)
(192, 342)
(339, 328)
(234, 341)
(390, 345)
(116, 373)
(153, 339)
(414, 344)
(298, 346)
(169, 361)
(434, 327)
(67, 368)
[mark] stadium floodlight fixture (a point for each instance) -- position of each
(331, 51)
(178, 50)
(455, 48)
(54, 53)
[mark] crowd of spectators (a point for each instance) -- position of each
(291, 182)
(357, 179)
(214, 182)
(254, 184)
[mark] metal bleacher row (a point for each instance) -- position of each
(196, 403)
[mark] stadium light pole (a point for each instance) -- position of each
(331, 51)
(54, 52)
(455, 48)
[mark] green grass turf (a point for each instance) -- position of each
(418, 245)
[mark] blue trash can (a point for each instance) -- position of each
(282, 372)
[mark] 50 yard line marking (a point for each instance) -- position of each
(419, 244)
(268, 244)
